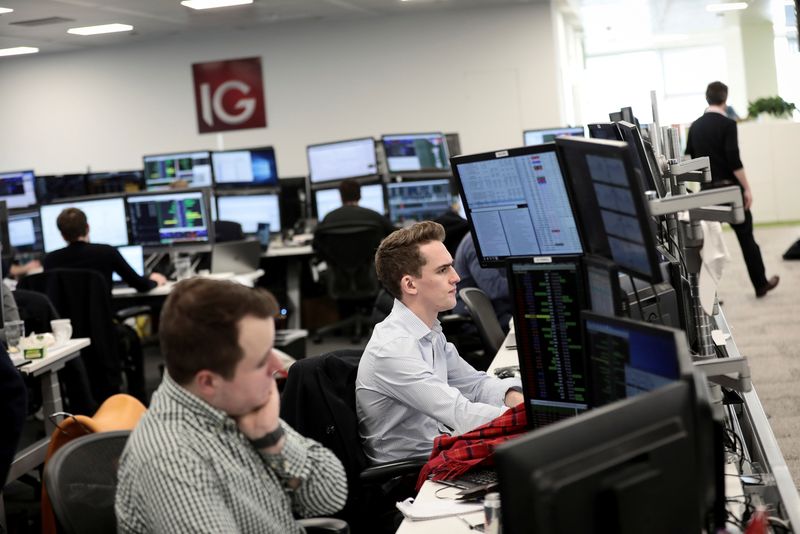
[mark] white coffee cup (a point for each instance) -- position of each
(62, 330)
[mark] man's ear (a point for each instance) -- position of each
(206, 383)
(408, 285)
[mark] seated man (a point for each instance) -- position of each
(412, 385)
(350, 212)
(81, 254)
(211, 454)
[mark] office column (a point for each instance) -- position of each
(758, 49)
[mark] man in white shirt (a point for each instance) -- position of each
(412, 385)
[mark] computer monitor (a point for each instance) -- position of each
(453, 144)
(327, 200)
(170, 218)
(5, 242)
(194, 167)
(650, 178)
(343, 159)
(418, 201)
(17, 189)
(548, 135)
(613, 212)
(547, 299)
(25, 232)
(637, 465)
(604, 130)
(57, 187)
(517, 204)
(134, 255)
(100, 183)
(106, 218)
(416, 152)
(293, 200)
(252, 167)
(603, 286)
(250, 210)
(626, 357)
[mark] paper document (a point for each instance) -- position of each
(418, 511)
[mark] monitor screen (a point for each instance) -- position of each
(17, 189)
(547, 300)
(106, 218)
(418, 201)
(100, 183)
(649, 178)
(134, 256)
(25, 232)
(327, 200)
(52, 188)
(602, 285)
(614, 468)
(169, 218)
(160, 171)
(254, 167)
(612, 207)
(548, 135)
(5, 243)
(517, 204)
(416, 152)
(250, 211)
(341, 160)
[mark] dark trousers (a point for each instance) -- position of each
(751, 251)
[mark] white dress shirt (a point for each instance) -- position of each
(412, 386)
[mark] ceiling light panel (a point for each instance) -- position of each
(102, 28)
(211, 4)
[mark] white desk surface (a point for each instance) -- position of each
(54, 356)
(246, 279)
(278, 251)
(444, 525)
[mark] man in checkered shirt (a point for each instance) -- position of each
(211, 454)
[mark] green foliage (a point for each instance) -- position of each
(773, 105)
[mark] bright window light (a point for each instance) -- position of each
(211, 4)
(103, 28)
(5, 10)
(17, 50)
(730, 6)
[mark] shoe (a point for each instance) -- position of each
(771, 284)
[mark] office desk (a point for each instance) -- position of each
(294, 255)
(246, 279)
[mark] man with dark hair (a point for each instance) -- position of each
(715, 135)
(412, 385)
(351, 213)
(81, 254)
(211, 453)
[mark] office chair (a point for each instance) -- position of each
(83, 296)
(319, 402)
(228, 231)
(348, 249)
(483, 315)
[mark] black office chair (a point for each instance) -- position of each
(350, 280)
(225, 231)
(319, 401)
(81, 480)
(483, 315)
(83, 296)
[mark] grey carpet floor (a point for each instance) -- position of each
(767, 332)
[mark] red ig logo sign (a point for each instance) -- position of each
(229, 95)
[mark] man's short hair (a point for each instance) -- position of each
(716, 93)
(350, 190)
(398, 254)
(199, 326)
(72, 224)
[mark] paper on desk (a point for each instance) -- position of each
(419, 511)
(715, 256)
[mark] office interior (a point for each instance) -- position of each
(484, 72)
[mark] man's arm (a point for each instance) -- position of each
(479, 386)
(747, 194)
(130, 276)
(735, 162)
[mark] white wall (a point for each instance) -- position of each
(486, 74)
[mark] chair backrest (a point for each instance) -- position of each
(83, 296)
(81, 479)
(227, 231)
(36, 310)
(349, 251)
(483, 315)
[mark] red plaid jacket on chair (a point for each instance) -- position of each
(453, 456)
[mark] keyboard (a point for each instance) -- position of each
(473, 479)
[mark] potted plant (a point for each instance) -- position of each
(773, 105)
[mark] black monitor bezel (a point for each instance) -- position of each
(191, 246)
(100, 176)
(243, 185)
(511, 153)
(604, 126)
(147, 187)
(651, 179)
(314, 183)
(253, 191)
(619, 150)
(538, 130)
(313, 196)
(427, 172)
(612, 270)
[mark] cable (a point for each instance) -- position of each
(636, 294)
(658, 304)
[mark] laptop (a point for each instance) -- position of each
(237, 257)
(134, 255)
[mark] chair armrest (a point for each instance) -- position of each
(132, 311)
(322, 525)
(383, 472)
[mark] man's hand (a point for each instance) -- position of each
(158, 278)
(747, 198)
(513, 397)
(263, 420)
